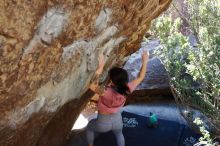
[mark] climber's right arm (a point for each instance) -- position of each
(134, 83)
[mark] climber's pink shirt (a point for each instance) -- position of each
(111, 101)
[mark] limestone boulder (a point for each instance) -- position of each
(48, 54)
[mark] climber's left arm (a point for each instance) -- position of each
(94, 86)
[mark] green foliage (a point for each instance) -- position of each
(206, 137)
(194, 71)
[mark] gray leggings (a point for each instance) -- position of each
(105, 123)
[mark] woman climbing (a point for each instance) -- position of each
(112, 99)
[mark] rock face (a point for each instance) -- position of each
(155, 86)
(156, 76)
(48, 54)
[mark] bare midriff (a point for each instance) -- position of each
(104, 113)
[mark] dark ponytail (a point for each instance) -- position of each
(119, 77)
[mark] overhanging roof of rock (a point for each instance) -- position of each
(34, 33)
(48, 48)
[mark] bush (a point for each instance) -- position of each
(194, 70)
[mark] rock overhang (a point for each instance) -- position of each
(49, 53)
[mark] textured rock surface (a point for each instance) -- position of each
(48, 54)
(155, 86)
(156, 76)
